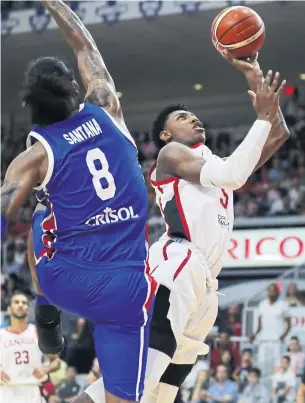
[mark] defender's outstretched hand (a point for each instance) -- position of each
(267, 96)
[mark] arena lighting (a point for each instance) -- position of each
(302, 76)
(197, 87)
(119, 94)
(289, 90)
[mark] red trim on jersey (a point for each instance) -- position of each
(180, 210)
(49, 223)
(161, 182)
(164, 250)
(197, 145)
(153, 288)
(184, 262)
(10, 331)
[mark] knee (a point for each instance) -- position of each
(176, 374)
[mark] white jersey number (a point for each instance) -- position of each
(107, 192)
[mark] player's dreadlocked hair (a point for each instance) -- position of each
(160, 121)
(49, 91)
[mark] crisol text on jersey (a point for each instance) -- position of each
(110, 216)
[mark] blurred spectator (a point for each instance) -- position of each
(273, 327)
(94, 373)
(227, 360)
(10, 266)
(69, 388)
(223, 345)
(57, 377)
(80, 350)
(296, 355)
(233, 322)
(255, 391)
(202, 385)
(292, 295)
(20, 251)
(54, 399)
(11, 285)
(240, 375)
(284, 383)
(223, 390)
(200, 365)
(301, 391)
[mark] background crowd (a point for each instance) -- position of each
(238, 370)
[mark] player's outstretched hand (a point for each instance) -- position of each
(267, 96)
(4, 378)
(248, 66)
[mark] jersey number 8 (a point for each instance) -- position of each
(103, 193)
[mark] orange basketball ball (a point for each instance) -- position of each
(240, 30)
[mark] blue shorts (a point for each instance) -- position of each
(118, 301)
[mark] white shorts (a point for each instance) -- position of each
(20, 394)
(181, 267)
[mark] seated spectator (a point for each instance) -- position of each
(296, 355)
(201, 387)
(301, 391)
(10, 266)
(95, 372)
(69, 388)
(284, 383)
(255, 391)
(228, 361)
(54, 399)
(80, 350)
(224, 344)
(240, 375)
(223, 390)
(200, 365)
(58, 376)
(233, 322)
(292, 295)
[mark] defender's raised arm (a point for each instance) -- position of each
(95, 76)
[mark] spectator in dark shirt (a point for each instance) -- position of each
(224, 344)
(227, 359)
(240, 375)
(69, 388)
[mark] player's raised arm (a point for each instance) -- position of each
(232, 173)
(95, 76)
(279, 132)
(25, 172)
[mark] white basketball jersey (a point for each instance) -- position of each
(20, 355)
(202, 215)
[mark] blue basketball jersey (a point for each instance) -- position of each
(94, 188)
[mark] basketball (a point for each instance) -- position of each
(240, 30)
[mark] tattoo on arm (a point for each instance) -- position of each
(95, 76)
(8, 192)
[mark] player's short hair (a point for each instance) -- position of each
(17, 293)
(255, 371)
(49, 91)
(160, 121)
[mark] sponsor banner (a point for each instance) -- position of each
(107, 12)
(273, 247)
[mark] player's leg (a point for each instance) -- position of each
(177, 306)
(121, 338)
(186, 354)
(48, 320)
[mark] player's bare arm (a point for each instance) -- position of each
(24, 173)
(176, 159)
(232, 173)
(279, 131)
(95, 76)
